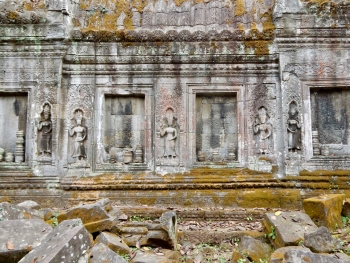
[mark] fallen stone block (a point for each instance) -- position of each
(94, 216)
(239, 257)
(321, 241)
(346, 208)
(13, 212)
(254, 249)
(29, 204)
(162, 232)
(113, 242)
(163, 256)
(100, 253)
(299, 256)
(66, 243)
(18, 237)
(287, 228)
(278, 255)
(325, 210)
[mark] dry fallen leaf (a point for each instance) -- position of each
(10, 246)
(138, 244)
(34, 260)
(278, 213)
(160, 254)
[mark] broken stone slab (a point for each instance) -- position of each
(299, 256)
(158, 232)
(100, 253)
(325, 210)
(13, 212)
(287, 228)
(113, 242)
(66, 243)
(30, 204)
(254, 249)
(94, 216)
(18, 237)
(163, 256)
(321, 241)
(278, 255)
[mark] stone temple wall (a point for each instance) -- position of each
(93, 88)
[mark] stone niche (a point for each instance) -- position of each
(330, 116)
(124, 129)
(216, 127)
(13, 125)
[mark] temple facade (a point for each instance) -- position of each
(136, 91)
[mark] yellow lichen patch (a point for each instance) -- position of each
(239, 7)
(179, 2)
(13, 15)
(32, 5)
(139, 5)
(260, 47)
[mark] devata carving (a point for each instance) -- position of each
(45, 132)
(263, 129)
(293, 128)
(80, 133)
(169, 132)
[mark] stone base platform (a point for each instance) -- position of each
(199, 188)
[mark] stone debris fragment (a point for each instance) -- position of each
(321, 241)
(66, 243)
(153, 233)
(254, 249)
(288, 228)
(18, 237)
(299, 256)
(100, 253)
(113, 242)
(94, 216)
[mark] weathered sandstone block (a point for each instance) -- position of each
(278, 255)
(100, 253)
(18, 237)
(254, 249)
(113, 242)
(94, 216)
(325, 210)
(321, 241)
(287, 228)
(66, 243)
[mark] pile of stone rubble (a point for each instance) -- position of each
(102, 233)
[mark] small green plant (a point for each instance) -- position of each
(126, 257)
(272, 235)
(345, 220)
(241, 260)
(139, 218)
(301, 242)
(222, 259)
(263, 261)
(249, 218)
(236, 241)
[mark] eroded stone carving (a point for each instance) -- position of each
(45, 132)
(263, 129)
(19, 155)
(293, 128)
(169, 132)
(80, 132)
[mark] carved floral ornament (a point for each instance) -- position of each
(168, 36)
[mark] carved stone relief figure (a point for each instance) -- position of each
(263, 129)
(293, 128)
(169, 133)
(80, 132)
(45, 131)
